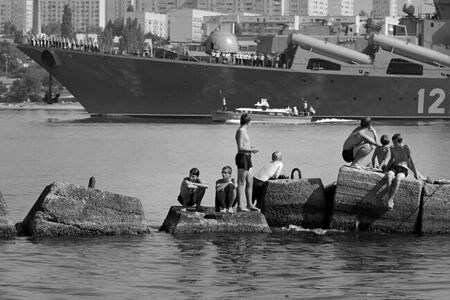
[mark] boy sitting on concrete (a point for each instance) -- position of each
(225, 191)
(192, 190)
(381, 155)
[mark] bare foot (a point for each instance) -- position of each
(242, 209)
(252, 208)
(357, 166)
(391, 204)
(183, 209)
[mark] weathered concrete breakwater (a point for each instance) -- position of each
(65, 209)
(356, 202)
(178, 222)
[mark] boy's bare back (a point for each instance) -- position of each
(401, 154)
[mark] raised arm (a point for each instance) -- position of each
(201, 184)
(369, 139)
(194, 185)
(221, 185)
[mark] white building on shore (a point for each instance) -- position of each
(153, 23)
(186, 25)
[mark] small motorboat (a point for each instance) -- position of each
(262, 113)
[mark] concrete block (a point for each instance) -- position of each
(178, 222)
(296, 202)
(7, 229)
(361, 198)
(436, 209)
(65, 209)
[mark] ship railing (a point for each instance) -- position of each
(242, 58)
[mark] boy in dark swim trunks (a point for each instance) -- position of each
(192, 190)
(359, 143)
(244, 164)
(397, 167)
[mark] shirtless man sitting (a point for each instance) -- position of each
(360, 142)
(271, 170)
(243, 161)
(397, 167)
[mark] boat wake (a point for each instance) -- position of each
(335, 120)
(318, 231)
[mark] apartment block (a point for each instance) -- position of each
(251, 24)
(150, 22)
(309, 7)
(186, 25)
(115, 9)
(266, 7)
(147, 5)
(18, 12)
(318, 8)
(385, 8)
(85, 13)
(340, 8)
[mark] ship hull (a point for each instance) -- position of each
(138, 86)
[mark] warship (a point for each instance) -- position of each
(404, 76)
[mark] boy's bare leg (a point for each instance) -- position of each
(242, 175)
(361, 152)
(186, 195)
(231, 195)
(394, 189)
(221, 195)
(198, 196)
(249, 191)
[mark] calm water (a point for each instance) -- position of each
(148, 160)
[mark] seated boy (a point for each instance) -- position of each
(192, 190)
(225, 191)
(381, 155)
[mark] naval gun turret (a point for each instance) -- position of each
(413, 51)
(330, 50)
(222, 42)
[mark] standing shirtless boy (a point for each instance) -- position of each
(244, 165)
